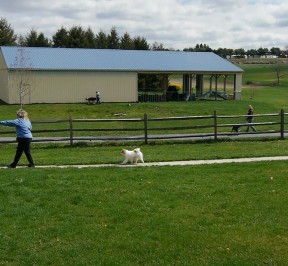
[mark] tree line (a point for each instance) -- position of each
(78, 37)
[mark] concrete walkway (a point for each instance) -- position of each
(178, 163)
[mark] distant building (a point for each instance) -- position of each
(68, 75)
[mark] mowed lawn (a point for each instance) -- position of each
(222, 214)
(230, 214)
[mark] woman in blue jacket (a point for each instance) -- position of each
(23, 135)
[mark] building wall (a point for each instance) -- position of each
(72, 86)
(4, 95)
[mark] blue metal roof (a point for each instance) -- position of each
(114, 60)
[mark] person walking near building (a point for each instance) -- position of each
(23, 135)
(250, 118)
(98, 100)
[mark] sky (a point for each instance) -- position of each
(177, 24)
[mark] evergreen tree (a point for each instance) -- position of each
(42, 41)
(76, 37)
(113, 39)
(190, 49)
(202, 48)
(7, 36)
(126, 42)
(140, 43)
(101, 40)
(89, 37)
(60, 38)
(33, 39)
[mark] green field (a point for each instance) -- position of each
(231, 214)
(263, 93)
(224, 214)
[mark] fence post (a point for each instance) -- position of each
(145, 128)
(282, 123)
(71, 129)
(215, 125)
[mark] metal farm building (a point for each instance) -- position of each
(70, 75)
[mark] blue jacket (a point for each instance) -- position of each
(23, 127)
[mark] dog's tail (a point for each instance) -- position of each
(137, 150)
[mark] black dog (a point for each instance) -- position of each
(236, 128)
(91, 100)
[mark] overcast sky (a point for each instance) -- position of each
(178, 24)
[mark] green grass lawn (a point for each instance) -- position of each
(231, 214)
(228, 214)
(93, 153)
(266, 100)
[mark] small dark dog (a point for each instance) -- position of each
(236, 128)
(91, 100)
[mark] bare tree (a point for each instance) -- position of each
(278, 73)
(22, 78)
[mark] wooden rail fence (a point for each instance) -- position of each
(190, 127)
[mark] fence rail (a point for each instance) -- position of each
(192, 127)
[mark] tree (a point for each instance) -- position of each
(251, 53)
(202, 48)
(221, 52)
(283, 53)
(140, 43)
(42, 41)
(240, 53)
(33, 39)
(190, 49)
(158, 47)
(262, 51)
(199, 48)
(7, 36)
(60, 38)
(22, 80)
(113, 39)
(76, 37)
(101, 40)
(230, 52)
(279, 74)
(89, 37)
(149, 82)
(126, 42)
(224, 52)
(275, 51)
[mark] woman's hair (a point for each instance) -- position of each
(22, 114)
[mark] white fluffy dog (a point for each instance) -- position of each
(132, 156)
